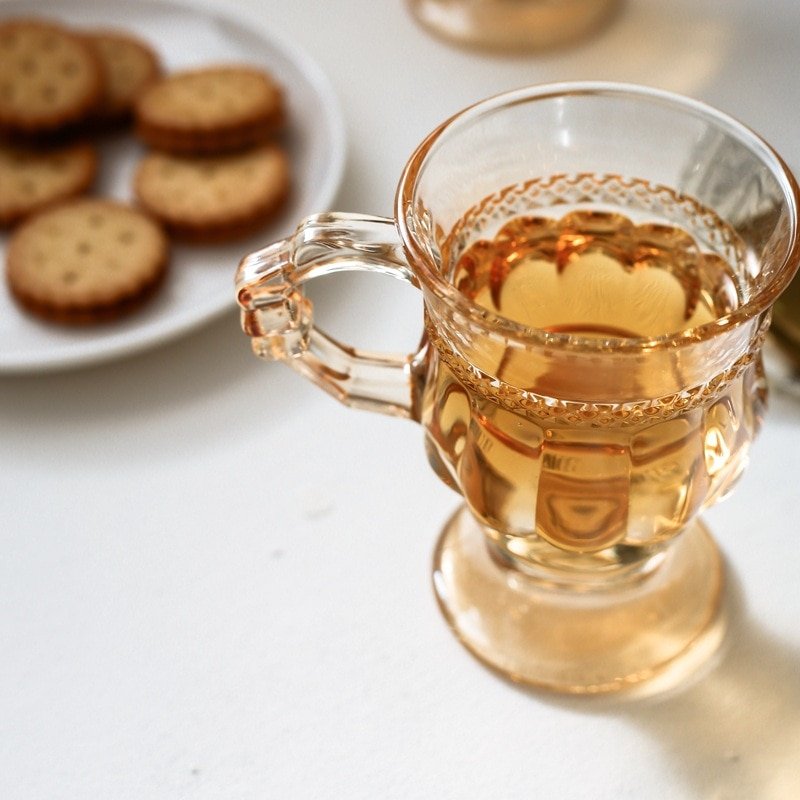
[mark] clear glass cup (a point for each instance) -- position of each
(513, 25)
(584, 452)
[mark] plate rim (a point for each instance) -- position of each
(323, 194)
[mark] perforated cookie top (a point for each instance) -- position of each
(210, 109)
(30, 179)
(49, 77)
(129, 65)
(213, 191)
(85, 255)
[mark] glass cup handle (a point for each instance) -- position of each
(279, 317)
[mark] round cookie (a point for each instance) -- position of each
(85, 261)
(213, 198)
(129, 66)
(33, 179)
(49, 78)
(210, 110)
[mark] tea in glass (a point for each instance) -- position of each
(576, 269)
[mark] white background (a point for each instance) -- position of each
(214, 580)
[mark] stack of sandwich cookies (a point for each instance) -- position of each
(216, 173)
(70, 260)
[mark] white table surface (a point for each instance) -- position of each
(214, 580)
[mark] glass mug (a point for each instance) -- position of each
(597, 263)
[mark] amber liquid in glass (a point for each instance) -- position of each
(599, 491)
(596, 274)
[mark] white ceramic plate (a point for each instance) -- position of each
(200, 284)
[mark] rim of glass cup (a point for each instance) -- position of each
(432, 279)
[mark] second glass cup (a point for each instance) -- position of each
(598, 263)
(513, 25)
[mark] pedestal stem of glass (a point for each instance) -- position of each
(646, 629)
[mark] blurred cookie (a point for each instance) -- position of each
(49, 78)
(129, 66)
(32, 179)
(210, 110)
(213, 198)
(85, 261)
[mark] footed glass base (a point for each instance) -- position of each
(646, 634)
